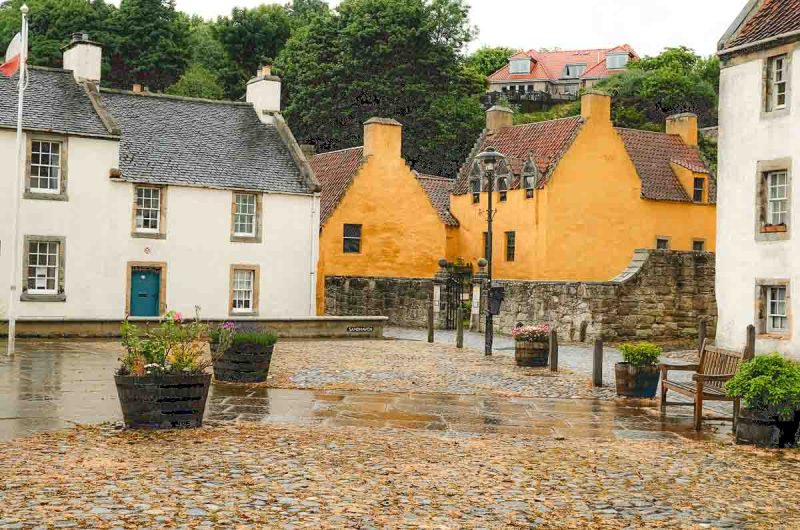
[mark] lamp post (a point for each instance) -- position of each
(488, 161)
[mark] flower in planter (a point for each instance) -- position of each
(172, 347)
(535, 333)
(640, 353)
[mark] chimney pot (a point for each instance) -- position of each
(266, 71)
(137, 88)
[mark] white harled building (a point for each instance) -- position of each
(136, 203)
(758, 198)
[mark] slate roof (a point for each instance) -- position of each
(550, 65)
(336, 170)
(54, 102)
(652, 153)
(771, 19)
(439, 190)
(546, 142)
(189, 142)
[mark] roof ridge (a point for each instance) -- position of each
(547, 121)
(159, 95)
(49, 69)
(433, 177)
(339, 150)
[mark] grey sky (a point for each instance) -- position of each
(647, 25)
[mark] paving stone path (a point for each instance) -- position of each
(287, 476)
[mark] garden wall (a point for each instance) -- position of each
(662, 295)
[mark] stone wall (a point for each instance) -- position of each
(403, 300)
(662, 295)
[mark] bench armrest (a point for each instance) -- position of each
(704, 377)
(666, 367)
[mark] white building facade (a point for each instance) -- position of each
(758, 199)
(134, 204)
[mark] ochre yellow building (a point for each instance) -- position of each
(582, 195)
(379, 218)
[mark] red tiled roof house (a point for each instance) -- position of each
(577, 196)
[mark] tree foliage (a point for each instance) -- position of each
(391, 58)
(197, 82)
(487, 60)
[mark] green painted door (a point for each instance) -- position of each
(145, 292)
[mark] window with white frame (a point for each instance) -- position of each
(777, 317)
(520, 66)
(351, 240)
(502, 188)
(777, 83)
(617, 60)
(699, 189)
(574, 70)
(43, 267)
(529, 181)
(45, 174)
(243, 291)
(777, 198)
(244, 217)
(148, 209)
(475, 189)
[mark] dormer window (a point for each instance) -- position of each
(616, 61)
(475, 189)
(502, 187)
(529, 178)
(520, 66)
(574, 70)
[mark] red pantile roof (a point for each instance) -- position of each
(438, 190)
(335, 172)
(545, 142)
(771, 19)
(550, 65)
(652, 153)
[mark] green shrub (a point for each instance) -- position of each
(640, 352)
(769, 383)
(260, 338)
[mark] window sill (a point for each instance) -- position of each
(243, 313)
(148, 235)
(38, 196)
(27, 297)
(775, 114)
(245, 239)
(773, 336)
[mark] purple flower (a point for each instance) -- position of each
(228, 326)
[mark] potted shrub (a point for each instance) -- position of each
(637, 374)
(162, 382)
(241, 356)
(532, 345)
(769, 388)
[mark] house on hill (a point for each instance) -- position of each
(577, 196)
(379, 217)
(538, 79)
(136, 203)
(758, 260)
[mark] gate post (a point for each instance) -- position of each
(478, 281)
(440, 280)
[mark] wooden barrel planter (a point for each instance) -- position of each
(243, 363)
(163, 401)
(637, 380)
(532, 354)
(755, 427)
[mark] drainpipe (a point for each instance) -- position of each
(314, 253)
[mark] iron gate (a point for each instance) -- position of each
(457, 293)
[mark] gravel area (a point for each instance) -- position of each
(285, 476)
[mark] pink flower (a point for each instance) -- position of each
(229, 326)
(178, 317)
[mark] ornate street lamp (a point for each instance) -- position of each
(488, 161)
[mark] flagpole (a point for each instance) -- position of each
(14, 251)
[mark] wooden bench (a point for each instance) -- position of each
(716, 367)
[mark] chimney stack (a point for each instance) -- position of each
(383, 137)
(685, 126)
(596, 106)
(84, 57)
(137, 88)
(498, 118)
(264, 92)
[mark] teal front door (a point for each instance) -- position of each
(145, 292)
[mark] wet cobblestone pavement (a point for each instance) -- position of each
(469, 443)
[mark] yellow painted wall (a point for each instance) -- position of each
(587, 221)
(402, 234)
